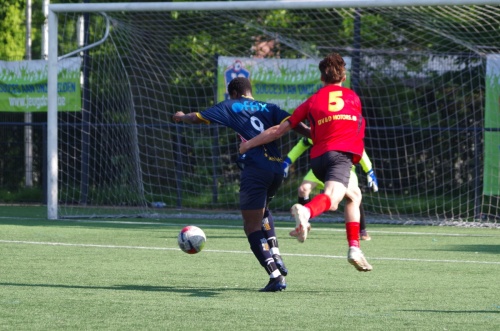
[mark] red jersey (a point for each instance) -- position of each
(334, 114)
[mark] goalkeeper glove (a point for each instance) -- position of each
(286, 166)
(372, 180)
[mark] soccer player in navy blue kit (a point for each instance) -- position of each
(262, 172)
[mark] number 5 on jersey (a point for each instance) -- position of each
(335, 101)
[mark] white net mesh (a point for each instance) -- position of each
(420, 73)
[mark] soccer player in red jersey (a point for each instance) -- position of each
(337, 131)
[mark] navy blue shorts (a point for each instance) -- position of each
(258, 187)
(333, 166)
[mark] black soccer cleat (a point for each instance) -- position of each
(275, 285)
(280, 264)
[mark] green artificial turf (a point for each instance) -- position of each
(128, 274)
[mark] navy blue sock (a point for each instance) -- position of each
(268, 229)
(260, 248)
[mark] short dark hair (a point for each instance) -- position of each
(332, 68)
(240, 85)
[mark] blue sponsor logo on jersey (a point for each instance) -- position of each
(252, 106)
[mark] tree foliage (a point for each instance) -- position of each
(12, 29)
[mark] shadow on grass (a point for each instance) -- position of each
(189, 291)
(453, 311)
(492, 249)
(194, 292)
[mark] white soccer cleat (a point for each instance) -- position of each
(356, 257)
(301, 215)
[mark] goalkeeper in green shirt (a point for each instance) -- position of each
(310, 181)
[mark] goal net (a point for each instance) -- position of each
(427, 76)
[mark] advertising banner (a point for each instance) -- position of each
(285, 82)
(23, 85)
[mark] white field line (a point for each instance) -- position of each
(232, 252)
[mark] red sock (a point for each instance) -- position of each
(352, 231)
(319, 204)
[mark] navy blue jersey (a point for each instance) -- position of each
(249, 118)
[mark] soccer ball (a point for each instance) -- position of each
(191, 239)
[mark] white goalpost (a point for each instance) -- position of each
(426, 71)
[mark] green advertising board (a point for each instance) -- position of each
(23, 85)
(492, 127)
(285, 82)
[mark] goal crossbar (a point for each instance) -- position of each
(252, 5)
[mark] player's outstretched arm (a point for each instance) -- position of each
(190, 118)
(265, 137)
(303, 129)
